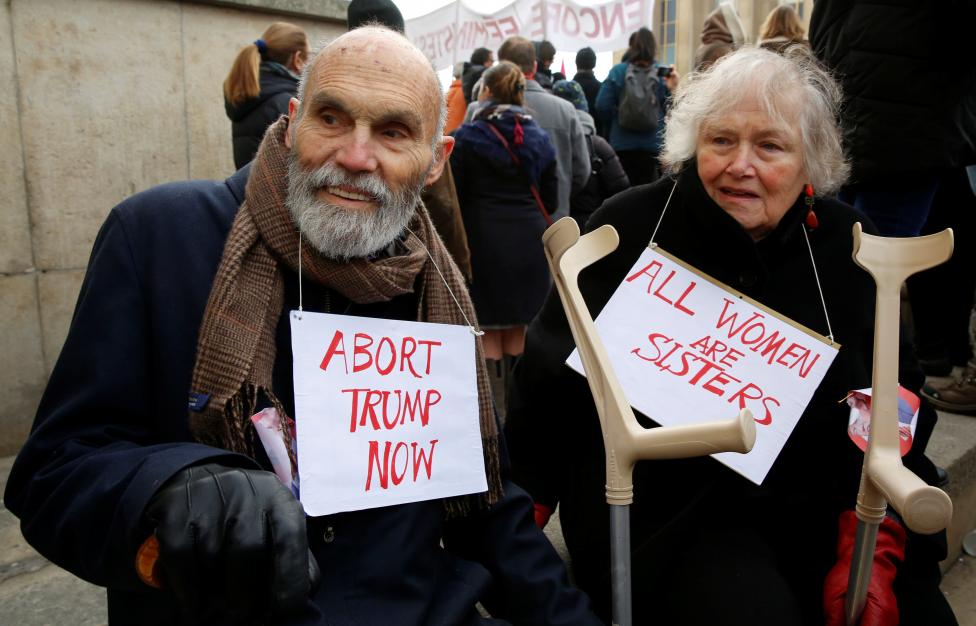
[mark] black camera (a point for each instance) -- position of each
(664, 71)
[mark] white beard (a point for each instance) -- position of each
(340, 233)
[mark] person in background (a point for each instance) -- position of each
(721, 34)
(500, 201)
(481, 59)
(545, 54)
(607, 175)
(456, 106)
(556, 116)
(743, 141)
(585, 62)
(632, 103)
(781, 29)
(262, 79)
(909, 86)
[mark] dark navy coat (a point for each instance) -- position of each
(112, 427)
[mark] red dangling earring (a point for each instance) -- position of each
(811, 219)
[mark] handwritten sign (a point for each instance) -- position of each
(453, 32)
(687, 349)
(386, 412)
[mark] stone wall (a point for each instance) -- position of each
(104, 98)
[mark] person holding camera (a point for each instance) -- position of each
(631, 105)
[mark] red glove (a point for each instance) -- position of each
(542, 514)
(880, 607)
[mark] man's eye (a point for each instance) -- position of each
(394, 133)
(330, 119)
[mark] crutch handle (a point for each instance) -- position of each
(680, 442)
(923, 508)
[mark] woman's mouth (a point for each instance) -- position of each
(738, 193)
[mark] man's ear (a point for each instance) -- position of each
(293, 106)
(444, 148)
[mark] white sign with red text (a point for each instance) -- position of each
(451, 33)
(386, 412)
(687, 349)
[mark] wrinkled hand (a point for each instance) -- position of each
(881, 607)
(232, 542)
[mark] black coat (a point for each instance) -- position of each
(112, 427)
(608, 178)
(251, 118)
(591, 87)
(554, 434)
(470, 76)
(909, 81)
(501, 217)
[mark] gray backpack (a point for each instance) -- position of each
(639, 106)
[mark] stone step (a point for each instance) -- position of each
(953, 447)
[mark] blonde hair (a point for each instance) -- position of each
(506, 83)
(791, 88)
(280, 41)
(782, 22)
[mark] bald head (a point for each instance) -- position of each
(378, 55)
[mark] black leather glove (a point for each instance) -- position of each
(232, 543)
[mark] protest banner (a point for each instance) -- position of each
(687, 349)
(451, 33)
(386, 412)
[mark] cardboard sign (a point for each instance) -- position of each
(451, 33)
(386, 412)
(688, 349)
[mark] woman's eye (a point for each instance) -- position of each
(721, 141)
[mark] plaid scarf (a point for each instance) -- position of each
(236, 346)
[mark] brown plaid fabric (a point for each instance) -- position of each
(236, 348)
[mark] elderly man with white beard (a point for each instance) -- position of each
(188, 292)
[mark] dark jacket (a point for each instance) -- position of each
(608, 178)
(501, 217)
(471, 75)
(112, 427)
(251, 118)
(909, 82)
(554, 434)
(591, 87)
(608, 103)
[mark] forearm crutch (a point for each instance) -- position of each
(884, 479)
(624, 440)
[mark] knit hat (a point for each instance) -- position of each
(572, 91)
(383, 11)
(586, 59)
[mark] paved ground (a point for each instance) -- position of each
(33, 592)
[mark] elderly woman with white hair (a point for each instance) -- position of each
(753, 151)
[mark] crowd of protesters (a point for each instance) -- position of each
(753, 168)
